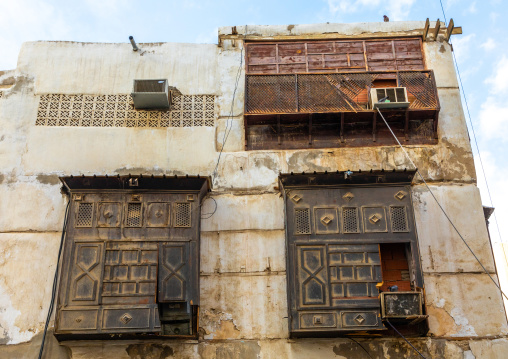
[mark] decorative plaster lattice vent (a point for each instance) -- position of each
(118, 111)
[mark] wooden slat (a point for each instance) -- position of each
(449, 30)
(436, 29)
(334, 56)
(320, 47)
(426, 29)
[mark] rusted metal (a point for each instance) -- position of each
(402, 307)
(131, 257)
(335, 225)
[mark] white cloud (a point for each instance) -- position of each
(497, 177)
(104, 8)
(494, 119)
(461, 47)
(345, 6)
(472, 8)
(28, 20)
(451, 3)
(208, 37)
(499, 78)
(489, 45)
(397, 10)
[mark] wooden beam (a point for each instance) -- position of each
(310, 129)
(449, 30)
(374, 123)
(342, 127)
(436, 29)
(406, 126)
(278, 129)
(436, 117)
(426, 29)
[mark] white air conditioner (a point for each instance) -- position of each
(151, 94)
(388, 97)
(404, 307)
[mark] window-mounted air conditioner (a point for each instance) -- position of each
(388, 97)
(151, 94)
(406, 307)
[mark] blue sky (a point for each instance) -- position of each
(482, 50)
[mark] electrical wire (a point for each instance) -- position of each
(472, 129)
(230, 118)
(403, 337)
(476, 144)
(55, 281)
(439, 204)
(211, 213)
(361, 346)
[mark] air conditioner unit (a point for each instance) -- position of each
(404, 307)
(393, 97)
(151, 94)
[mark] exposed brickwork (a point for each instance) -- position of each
(394, 266)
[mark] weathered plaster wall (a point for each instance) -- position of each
(243, 279)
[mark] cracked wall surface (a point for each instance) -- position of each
(243, 312)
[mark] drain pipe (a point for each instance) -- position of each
(133, 43)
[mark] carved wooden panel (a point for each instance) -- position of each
(326, 220)
(374, 219)
(174, 270)
(130, 270)
(354, 271)
(123, 257)
(78, 319)
(335, 268)
(85, 274)
(110, 214)
(158, 214)
(312, 276)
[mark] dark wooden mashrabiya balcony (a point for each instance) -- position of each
(290, 111)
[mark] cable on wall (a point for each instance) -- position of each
(403, 337)
(439, 204)
(361, 346)
(229, 123)
(472, 130)
(209, 215)
(55, 281)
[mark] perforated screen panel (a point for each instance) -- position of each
(133, 215)
(302, 221)
(350, 220)
(399, 219)
(85, 214)
(182, 214)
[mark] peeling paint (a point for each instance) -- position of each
(11, 334)
(149, 351)
(49, 179)
(220, 325)
(462, 321)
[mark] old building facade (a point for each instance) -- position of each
(260, 215)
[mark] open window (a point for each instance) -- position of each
(131, 258)
(353, 259)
